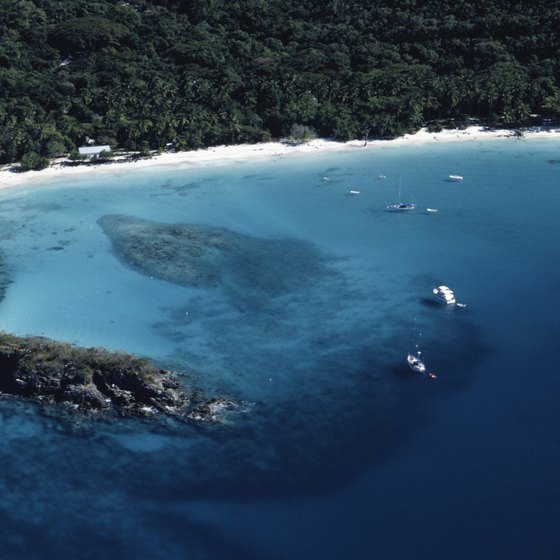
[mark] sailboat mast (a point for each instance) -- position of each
(416, 340)
(414, 345)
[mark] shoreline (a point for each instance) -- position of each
(222, 155)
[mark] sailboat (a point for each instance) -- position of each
(414, 357)
(401, 206)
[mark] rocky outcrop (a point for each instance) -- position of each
(212, 410)
(98, 382)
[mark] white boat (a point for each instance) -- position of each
(414, 356)
(352, 193)
(444, 294)
(401, 206)
(431, 210)
(455, 178)
(415, 363)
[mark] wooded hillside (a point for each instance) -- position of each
(142, 73)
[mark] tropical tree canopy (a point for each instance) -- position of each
(141, 74)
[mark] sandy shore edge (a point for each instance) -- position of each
(222, 155)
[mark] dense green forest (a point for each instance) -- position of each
(141, 74)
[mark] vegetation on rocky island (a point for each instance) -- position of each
(94, 380)
(146, 74)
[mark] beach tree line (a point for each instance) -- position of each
(141, 75)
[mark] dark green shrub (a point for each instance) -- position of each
(32, 161)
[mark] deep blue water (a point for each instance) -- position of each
(340, 452)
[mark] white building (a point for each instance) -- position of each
(93, 151)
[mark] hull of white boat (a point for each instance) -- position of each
(415, 364)
(444, 300)
(400, 208)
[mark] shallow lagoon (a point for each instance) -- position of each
(340, 451)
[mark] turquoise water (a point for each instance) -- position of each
(340, 451)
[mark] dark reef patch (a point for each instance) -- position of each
(182, 254)
(202, 256)
(5, 276)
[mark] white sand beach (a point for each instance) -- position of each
(221, 155)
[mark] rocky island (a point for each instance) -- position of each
(98, 383)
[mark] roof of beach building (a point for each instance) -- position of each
(93, 150)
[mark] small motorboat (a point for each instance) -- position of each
(352, 193)
(431, 210)
(455, 178)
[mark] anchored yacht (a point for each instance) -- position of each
(401, 206)
(444, 294)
